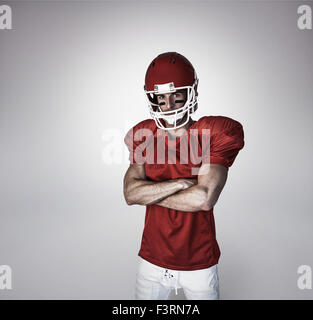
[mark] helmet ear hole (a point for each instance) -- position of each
(153, 100)
(152, 97)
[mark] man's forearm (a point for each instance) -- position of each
(145, 192)
(196, 198)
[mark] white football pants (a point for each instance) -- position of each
(155, 283)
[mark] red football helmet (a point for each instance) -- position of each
(167, 73)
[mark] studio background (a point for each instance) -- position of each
(72, 74)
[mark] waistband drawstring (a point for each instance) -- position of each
(176, 283)
(167, 274)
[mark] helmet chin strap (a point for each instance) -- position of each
(171, 119)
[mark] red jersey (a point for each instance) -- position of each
(175, 239)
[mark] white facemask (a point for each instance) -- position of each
(179, 113)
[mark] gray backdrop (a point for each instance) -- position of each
(72, 73)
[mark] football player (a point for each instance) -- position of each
(178, 247)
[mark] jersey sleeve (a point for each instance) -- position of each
(135, 140)
(226, 140)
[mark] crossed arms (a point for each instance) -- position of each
(189, 195)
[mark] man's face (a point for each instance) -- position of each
(172, 101)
